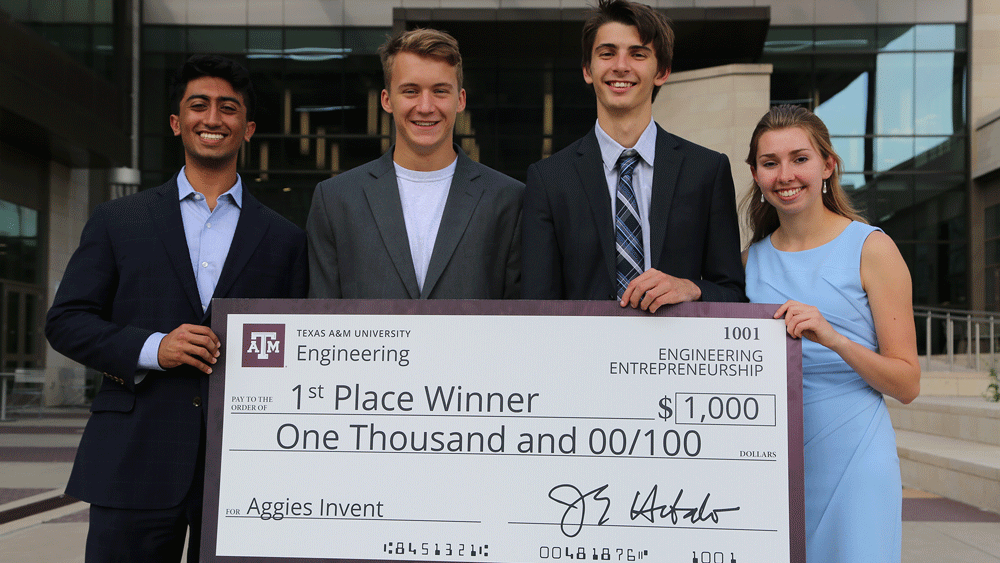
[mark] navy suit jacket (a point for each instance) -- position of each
(568, 235)
(130, 277)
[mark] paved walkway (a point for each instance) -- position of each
(36, 454)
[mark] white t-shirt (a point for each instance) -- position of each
(423, 195)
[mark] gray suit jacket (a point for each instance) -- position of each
(358, 247)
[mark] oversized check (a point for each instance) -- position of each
(503, 432)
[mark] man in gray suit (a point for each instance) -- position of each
(423, 221)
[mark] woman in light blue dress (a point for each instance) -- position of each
(845, 288)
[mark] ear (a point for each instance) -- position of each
(175, 125)
(461, 99)
(753, 172)
(586, 76)
(829, 167)
(251, 127)
(386, 102)
(661, 79)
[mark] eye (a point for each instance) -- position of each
(801, 159)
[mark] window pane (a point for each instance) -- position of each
(894, 94)
(896, 38)
(937, 37)
(788, 40)
(845, 38)
(992, 222)
(220, 40)
(892, 152)
(164, 39)
(935, 93)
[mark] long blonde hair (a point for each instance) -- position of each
(761, 216)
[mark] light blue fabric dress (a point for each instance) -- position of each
(853, 493)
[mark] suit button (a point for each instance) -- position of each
(196, 402)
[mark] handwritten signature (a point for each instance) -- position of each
(649, 509)
(575, 501)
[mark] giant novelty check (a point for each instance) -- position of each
(474, 431)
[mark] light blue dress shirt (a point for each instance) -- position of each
(642, 176)
(209, 234)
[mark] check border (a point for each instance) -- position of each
(222, 308)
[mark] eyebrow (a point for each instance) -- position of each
(630, 47)
(415, 85)
(207, 99)
(795, 151)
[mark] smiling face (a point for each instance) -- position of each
(623, 70)
(212, 123)
(790, 171)
(424, 99)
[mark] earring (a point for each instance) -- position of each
(762, 197)
(825, 184)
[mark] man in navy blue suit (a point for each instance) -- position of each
(134, 303)
(630, 212)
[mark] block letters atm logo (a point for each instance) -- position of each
(263, 346)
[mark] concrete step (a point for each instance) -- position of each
(966, 418)
(943, 383)
(961, 470)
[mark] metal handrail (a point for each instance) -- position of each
(947, 330)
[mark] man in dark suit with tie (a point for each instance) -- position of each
(630, 212)
(423, 221)
(134, 304)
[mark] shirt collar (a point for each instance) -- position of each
(611, 150)
(185, 189)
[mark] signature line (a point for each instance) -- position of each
(650, 526)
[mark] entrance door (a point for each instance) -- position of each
(21, 345)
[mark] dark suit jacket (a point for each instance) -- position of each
(358, 248)
(568, 239)
(130, 277)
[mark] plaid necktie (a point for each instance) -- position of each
(628, 230)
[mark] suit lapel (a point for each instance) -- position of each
(387, 210)
(666, 170)
(590, 168)
(250, 230)
(463, 197)
(166, 213)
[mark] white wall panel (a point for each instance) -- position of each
(897, 11)
(792, 12)
(846, 12)
(164, 12)
(369, 13)
(941, 11)
(218, 12)
(265, 12)
(320, 13)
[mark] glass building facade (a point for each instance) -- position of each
(894, 100)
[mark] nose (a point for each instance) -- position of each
(213, 116)
(621, 61)
(785, 174)
(424, 103)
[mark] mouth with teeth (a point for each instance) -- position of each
(425, 123)
(211, 136)
(620, 84)
(788, 193)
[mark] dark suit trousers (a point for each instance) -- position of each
(123, 535)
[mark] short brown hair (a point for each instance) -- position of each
(761, 216)
(653, 27)
(424, 42)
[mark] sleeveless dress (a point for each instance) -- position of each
(853, 492)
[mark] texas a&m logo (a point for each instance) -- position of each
(263, 346)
